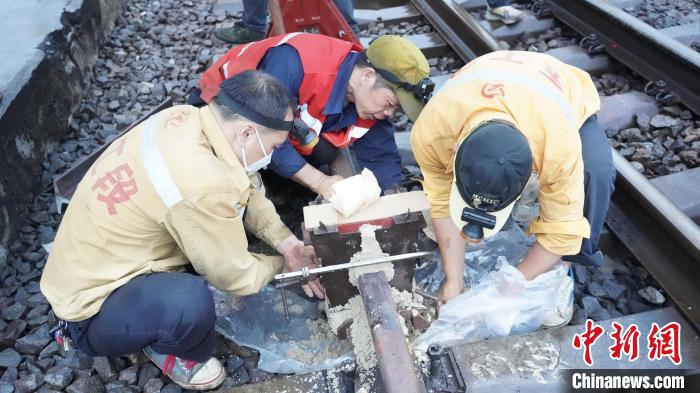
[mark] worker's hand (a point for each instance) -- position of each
(450, 290)
(325, 186)
(297, 256)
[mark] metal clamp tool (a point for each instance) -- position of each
(305, 274)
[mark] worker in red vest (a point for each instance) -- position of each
(345, 96)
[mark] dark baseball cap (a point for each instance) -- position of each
(491, 169)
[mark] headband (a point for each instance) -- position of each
(253, 115)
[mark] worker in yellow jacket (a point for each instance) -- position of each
(178, 190)
(500, 119)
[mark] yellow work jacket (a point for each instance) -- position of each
(547, 101)
(168, 193)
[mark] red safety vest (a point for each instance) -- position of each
(321, 57)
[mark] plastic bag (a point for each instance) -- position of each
(510, 243)
(301, 345)
(495, 307)
(355, 193)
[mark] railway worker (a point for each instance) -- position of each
(175, 192)
(502, 117)
(253, 23)
(344, 94)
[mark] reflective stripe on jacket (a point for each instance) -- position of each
(168, 193)
(547, 101)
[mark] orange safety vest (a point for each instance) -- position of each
(321, 57)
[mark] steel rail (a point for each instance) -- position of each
(662, 238)
(395, 362)
(457, 28)
(637, 45)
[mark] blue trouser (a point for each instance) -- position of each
(599, 184)
(498, 3)
(377, 151)
(171, 312)
(255, 14)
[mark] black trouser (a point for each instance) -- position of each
(171, 312)
(195, 98)
(599, 184)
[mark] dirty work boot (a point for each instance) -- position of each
(239, 33)
(564, 308)
(187, 373)
(505, 14)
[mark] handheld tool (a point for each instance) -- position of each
(304, 135)
(304, 275)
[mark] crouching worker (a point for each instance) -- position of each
(177, 191)
(502, 117)
(343, 95)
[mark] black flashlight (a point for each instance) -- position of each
(304, 134)
(476, 221)
(424, 89)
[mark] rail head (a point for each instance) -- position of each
(457, 27)
(668, 215)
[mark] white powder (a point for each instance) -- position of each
(369, 249)
(359, 332)
(316, 349)
(360, 335)
(338, 315)
(355, 272)
(333, 381)
(422, 359)
(404, 300)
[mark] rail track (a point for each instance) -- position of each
(651, 220)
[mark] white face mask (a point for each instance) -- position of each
(261, 163)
